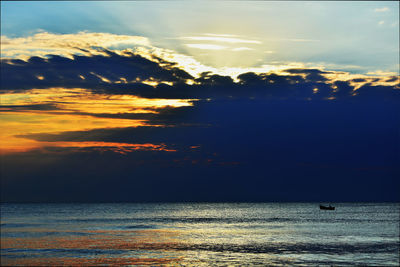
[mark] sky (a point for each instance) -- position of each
(136, 101)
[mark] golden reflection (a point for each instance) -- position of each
(157, 248)
(78, 261)
(194, 246)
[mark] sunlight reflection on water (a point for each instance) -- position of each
(199, 234)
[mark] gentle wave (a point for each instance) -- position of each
(299, 248)
(19, 225)
(225, 220)
(22, 253)
(200, 234)
(332, 249)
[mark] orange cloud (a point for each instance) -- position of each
(70, 105)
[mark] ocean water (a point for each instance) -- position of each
(200, 234)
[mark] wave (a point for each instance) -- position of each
(254, 248)
(30, 253)
(18, 225)
(298, 248)
(229, 220)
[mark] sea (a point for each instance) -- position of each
(200, 234)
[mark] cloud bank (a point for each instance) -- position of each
(99, 121)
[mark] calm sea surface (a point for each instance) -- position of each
(200, 234)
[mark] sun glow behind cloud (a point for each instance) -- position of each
(70, 110)
(85, 43)
(88, 44)
(76, 109)
(221, 54)
(82, 100)
(101, 99)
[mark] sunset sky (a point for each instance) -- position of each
(199, 101)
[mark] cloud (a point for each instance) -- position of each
(44, 44)
(382, 9)
(131, 74)
(261, 126)
(96, 44)
(222, 39)
(206, 46)
(104, 123)
(381, 22)
(84, 43)
(242, 49)
(97, 70)
(113, 94)
(382, 73)
(301, 40)
(268, 138)
(220, 35)
(219, 39)
(137, 90)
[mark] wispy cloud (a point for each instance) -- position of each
(293, 39)
(382, 9)
(382, 73)
(220, 35)
(221, 39)
(301, 40)
(206, 46)
(242, 49)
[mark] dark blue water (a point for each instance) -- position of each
(200, 234)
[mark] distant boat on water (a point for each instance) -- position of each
(322, 207)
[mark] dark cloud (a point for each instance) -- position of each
(133, 69)
(313, 75)
(44, 107)
(229, 150)
(389, 93)
(60, 71)
(259, 139)
(393, 79)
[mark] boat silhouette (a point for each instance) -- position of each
(322, 207)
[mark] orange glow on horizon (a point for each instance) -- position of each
(121, 148)
(24, 123)
(71, 110)
(82, 100)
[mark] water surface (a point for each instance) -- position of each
(202, 234)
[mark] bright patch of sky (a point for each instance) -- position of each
(359, 37)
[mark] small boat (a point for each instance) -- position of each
(322, 207)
